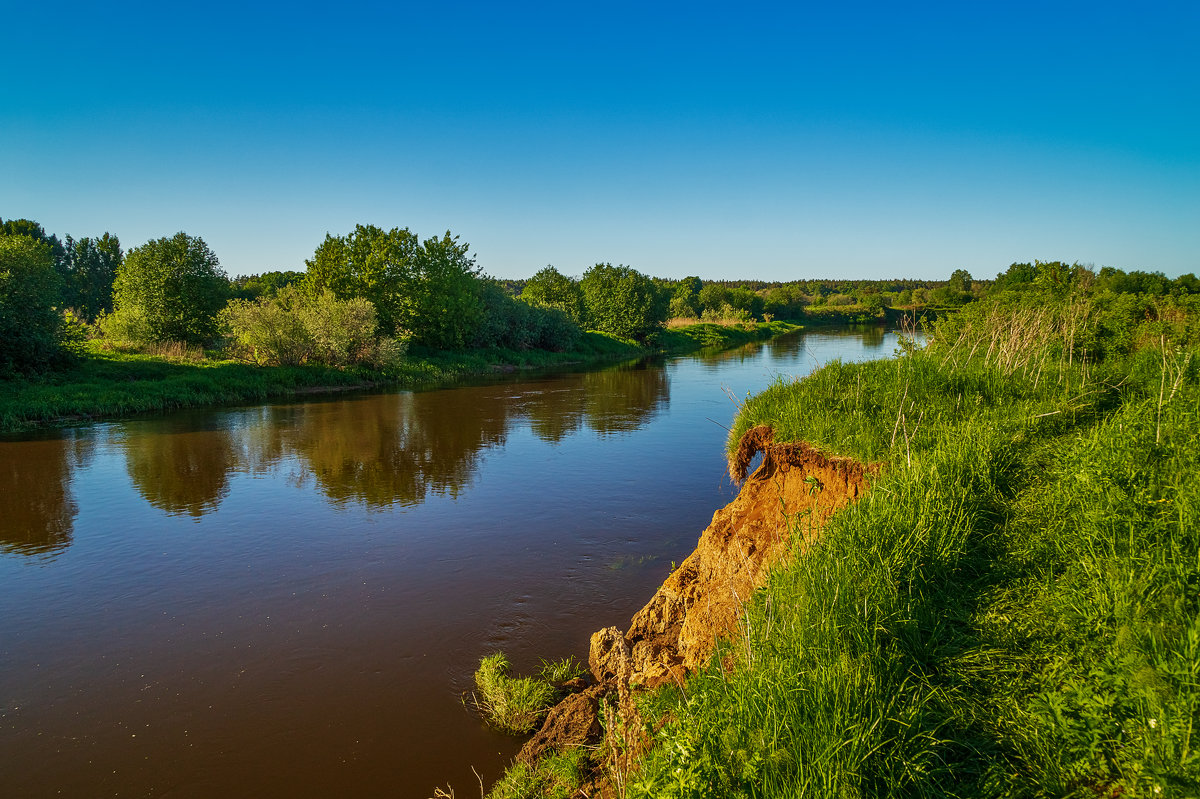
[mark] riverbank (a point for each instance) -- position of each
(1009, 610)
(105, 383)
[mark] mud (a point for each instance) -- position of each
(781, 508)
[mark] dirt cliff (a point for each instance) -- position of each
(781, 507)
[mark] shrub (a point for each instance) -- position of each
(269, 331)
(290, 329)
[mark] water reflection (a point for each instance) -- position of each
(872, 336)
(379, 450)
(37, 511)
(397, 448)
(181, 471)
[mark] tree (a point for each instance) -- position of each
(446, 303)
(428, 291)
(549, 288)
(91, 268)
(371, 263)
(683, 301)
(623, 301)
(170, 290)
(960, 280)
(31, 326)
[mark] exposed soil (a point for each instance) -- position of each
(781, 508)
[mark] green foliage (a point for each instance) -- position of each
(623, 301)
(269, 331)
(512, 704)
(91, 269)
(292, 328)
(374, 264)
(426, 291)
(31, 326)
(446, 303)
(551, 289)
(685, 300)
(514, 324)
(268, 284)
(169, 290)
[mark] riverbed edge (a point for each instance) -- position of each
(106, 384)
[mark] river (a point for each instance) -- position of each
(291, 599)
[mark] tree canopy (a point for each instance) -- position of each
(30, 323)
(171, 290)
(427, 290)
(623, 301)
(549, 288)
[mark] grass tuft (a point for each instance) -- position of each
(513, 704)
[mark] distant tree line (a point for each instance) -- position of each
(372, 294)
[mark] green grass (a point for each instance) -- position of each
(1012, 610)
(518, 704)
(557, 672)
(708, 335)
(556, 776)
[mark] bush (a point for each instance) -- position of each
(31, 327)
(169, 290)
(290, 329)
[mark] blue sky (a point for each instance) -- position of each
(778, 142)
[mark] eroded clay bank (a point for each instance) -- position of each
(782, 507)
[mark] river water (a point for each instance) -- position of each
(291, 599)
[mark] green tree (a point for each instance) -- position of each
(446, 303)
(744, 299)
(960, 280)
(268, 284)
(623, 301)
(31, 326)
(91, 268)
(551, 289)
(712, 297)
(375, 264)
(427, 291)
(683, 300)
(170, 290)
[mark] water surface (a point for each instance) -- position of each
(290, 600)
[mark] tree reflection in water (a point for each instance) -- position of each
(181, 471)
(377, 450)
(37, 511)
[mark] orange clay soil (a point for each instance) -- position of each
(781, 508)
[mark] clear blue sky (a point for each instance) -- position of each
(748, 140)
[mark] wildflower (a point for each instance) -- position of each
(1153, 723)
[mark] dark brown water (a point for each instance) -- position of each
(290, 600)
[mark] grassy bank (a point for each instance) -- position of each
(1014, 609)
(105, 383)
